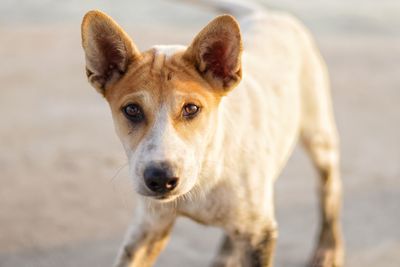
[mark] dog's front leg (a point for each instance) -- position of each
(146, 238)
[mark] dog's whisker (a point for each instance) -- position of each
(112, 179)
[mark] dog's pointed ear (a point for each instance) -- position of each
(108, 50)
(216, 53)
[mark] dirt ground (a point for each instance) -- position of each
(65, 199)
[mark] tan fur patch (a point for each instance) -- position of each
(172, 82)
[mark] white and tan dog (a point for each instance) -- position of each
(208, 128)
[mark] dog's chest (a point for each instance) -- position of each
(211, 209)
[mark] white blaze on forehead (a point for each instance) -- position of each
(163, 138)
(168, 50)
(160, 124)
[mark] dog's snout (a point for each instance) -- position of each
(159, 178)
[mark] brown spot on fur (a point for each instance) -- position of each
(153, 58)
(128, 252)
(169, 76)
(262, 254)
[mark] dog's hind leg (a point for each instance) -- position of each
(320, 138)
(323, 150)
(224, 253)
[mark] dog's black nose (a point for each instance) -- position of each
(159, 178)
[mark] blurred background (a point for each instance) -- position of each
(65, 198)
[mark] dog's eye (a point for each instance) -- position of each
(133, 113)
(190, 110)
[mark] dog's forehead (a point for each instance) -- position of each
(162, 73)
(168, 50)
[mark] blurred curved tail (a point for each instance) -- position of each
(237, 8)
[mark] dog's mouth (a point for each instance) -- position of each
(164, 198)
(158, 197)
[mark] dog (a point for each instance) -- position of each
(207, 129)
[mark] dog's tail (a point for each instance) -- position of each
(242, 10)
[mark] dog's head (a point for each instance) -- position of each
(164, 101)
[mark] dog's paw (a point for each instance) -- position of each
(326, 256)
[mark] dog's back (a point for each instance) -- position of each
(284, 92)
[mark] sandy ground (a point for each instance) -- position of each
(65, 199)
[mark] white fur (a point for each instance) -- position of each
(163, 144)
(168, 50)
(284, 93)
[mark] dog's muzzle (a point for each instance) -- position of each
(159, 178)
